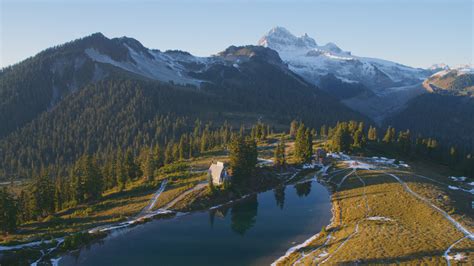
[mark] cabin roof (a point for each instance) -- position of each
(216, 168)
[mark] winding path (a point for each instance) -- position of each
(184, 194)
(461, 228)
(153, 200)
(356, 230)
(465, 231)
(467, 234)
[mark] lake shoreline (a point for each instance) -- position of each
(334, 210)
(104, 231)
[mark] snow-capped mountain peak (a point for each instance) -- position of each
(347, 76)
(441, 66)
(312, 61)
(280, 38)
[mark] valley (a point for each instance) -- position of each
(167, 133)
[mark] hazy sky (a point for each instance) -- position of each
(413, 32)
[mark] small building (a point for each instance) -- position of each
(219, 174)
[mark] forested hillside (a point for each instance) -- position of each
(38, 83)
(126, 110)
(450, 119)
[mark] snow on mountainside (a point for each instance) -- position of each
(375, 87)
(171, 66)
(312, 61)
(175, 66)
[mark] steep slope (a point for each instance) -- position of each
(312, 61)
(446, 117)
(446, 112)
(37, 84)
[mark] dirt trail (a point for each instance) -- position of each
(466, 232)
(344, 178)
(153, 200)
(461, 228)
(184, 194)
(356, 230)
(325, 256)
(446, 253)
(365, 195)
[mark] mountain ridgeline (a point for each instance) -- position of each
(97, 95)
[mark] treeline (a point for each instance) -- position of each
(52, 190)
(449, 119)
(353, 136)
(91, 175)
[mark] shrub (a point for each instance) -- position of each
(323, 231)
(175, 167)
(53, 220)
(76, 240)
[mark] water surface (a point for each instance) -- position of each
(254, 231)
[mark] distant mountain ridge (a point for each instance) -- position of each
(95, 94)
(375, 87)
(453, 81)
(312, 61)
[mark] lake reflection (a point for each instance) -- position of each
(254, 231)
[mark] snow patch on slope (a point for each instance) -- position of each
(161, 67)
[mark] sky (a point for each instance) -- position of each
(417, 33)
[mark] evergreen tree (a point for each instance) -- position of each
(308, 146)
(389, 136)
(121, 172)
(24, 205)
(8, 212)
(243, 157)
(88, 180)
(404, 141)
(372, 134)
(357, 139)
(169, 153)
(210, 184)
(42, 200)
(341, 139)
(150, 165)
(299, 143)
(303, 144)
(158, 156)
(293, 128)
(205, 140)
(59, 197)
(131, 167)
(279, 154)
(323, 131)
